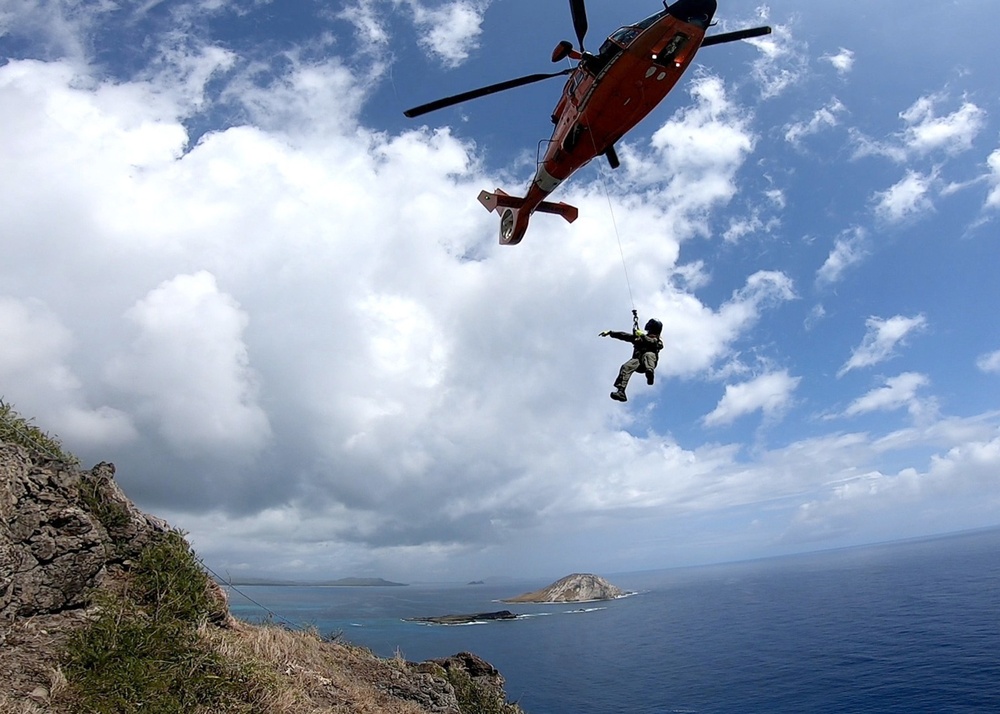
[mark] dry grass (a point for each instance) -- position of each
(313, 676)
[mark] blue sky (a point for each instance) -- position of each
(232, 267)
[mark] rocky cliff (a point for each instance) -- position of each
(578, 587)
(104, 608)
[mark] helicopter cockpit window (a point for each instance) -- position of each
(651, 20)
(623, 36)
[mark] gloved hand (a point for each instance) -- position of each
(605, 333)
(640, 333)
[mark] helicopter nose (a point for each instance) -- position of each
(696, 12)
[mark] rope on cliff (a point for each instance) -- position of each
(229, 584)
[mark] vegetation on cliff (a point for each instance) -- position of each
(104, 609)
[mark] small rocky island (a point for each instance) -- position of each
(578, 587)
(465, 619)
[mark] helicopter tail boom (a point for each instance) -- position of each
(514, 214)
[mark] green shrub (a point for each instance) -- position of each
(111, 514)
(475, 698)
(143, 652)
(15, 429)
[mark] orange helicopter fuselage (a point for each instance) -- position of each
(604, 97)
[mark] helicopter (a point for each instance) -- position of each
(605, 96)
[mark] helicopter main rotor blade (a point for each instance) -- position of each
(734, 36)
(579, 12)
(481, 92)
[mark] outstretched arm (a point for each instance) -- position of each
(624, 336)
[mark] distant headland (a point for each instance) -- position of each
(339, 583)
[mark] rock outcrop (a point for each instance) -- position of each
(68, 533)
(62, 531)
(578, 587)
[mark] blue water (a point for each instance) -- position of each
(909, 627)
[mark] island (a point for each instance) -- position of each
(465, 619)
(578, 587)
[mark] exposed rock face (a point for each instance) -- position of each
(578, 587)
(61, 530)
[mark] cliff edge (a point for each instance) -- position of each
(105, 608)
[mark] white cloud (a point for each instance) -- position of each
(906, 199)
(783, 60)
(322, 321)
(34, 363)
(368, 22)
(989, 362)
(953, 133)
(898, 392)
(694, 159)
(451, 31)
(850, 248)
(189, 367)
(302, 334)
(962, 477)
(993, 198)
(881, 340)
(843, 61)
(825, 117)
(768, 393)
(927, 133)
(696, 338)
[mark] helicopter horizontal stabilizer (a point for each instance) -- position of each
(499, 199)
(514, 217)
(568, 212)
(493, 201)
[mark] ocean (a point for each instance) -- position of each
(910, 627)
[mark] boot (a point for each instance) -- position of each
(649, 378)
(619, 396)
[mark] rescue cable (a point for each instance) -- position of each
(621, 251)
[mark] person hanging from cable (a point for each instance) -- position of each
(646, 346)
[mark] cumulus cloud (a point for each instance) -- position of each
(783, 60)
(956, 477)
(825, 117)
(849, 249)
(368, 21)
(36, 357)
(843, 61)
(189, 368)
(989, 362)
(881, 339)
(768, 393)
(694, 157)
(316, 330)
(926, 133)
(898, 392)
(993, 198)
(450, 31)
(906, 199)
(311, 353)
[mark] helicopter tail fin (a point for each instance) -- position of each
(514, 220)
